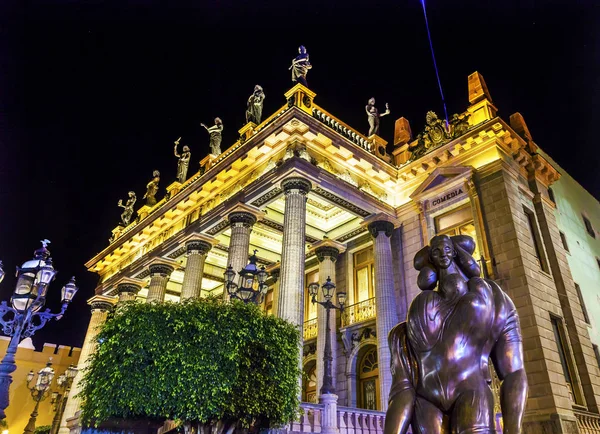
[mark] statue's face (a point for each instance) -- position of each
(442, 253)
(372, 101)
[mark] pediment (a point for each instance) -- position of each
(440, 179)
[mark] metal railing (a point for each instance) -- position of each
(310, 329)
(359, 312)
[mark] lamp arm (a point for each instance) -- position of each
(8, 325)
(43, 318)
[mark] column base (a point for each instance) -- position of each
(553, 423)
(329, 417)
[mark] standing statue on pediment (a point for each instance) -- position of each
(184, 161)
(127, 208)
(215, 136)
(152, 189)
(440, 354)
(255, 105)
(300, 66)
(374, 115)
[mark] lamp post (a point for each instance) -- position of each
(251, 286)
(23, 319)
(328, 290)
(59, 399)
(39, 392)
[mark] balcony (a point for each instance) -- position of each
(588, 423)
(359, 312)
(310, 329)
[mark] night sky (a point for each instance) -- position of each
(93, 94)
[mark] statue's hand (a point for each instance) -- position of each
(201, 124)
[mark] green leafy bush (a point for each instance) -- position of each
(199, 361)
(44, 429)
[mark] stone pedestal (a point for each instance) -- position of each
(329, 420)
(385, 302)
(101, 305)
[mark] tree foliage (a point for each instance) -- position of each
(199, 361)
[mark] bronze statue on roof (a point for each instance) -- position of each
(373, 116)
(254, 106)
(184, 161)
(215, 136)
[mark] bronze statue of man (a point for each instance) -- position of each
(373, 116)
(441, 378)
(254, 107)
(152, 189)
(215, 136)
(184, 161)
(127, 208)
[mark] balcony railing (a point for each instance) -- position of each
(310, 329)
(349, 420)
(588, 423)
(359, 312)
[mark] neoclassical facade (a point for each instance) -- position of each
(319, 199)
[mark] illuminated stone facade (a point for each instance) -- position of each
(317, 198)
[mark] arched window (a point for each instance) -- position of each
(368, 384)
(310, 384)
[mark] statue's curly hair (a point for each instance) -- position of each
(464, 246)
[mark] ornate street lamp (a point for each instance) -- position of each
(23, 319)
(251, 286)
(39, 391)
(59, 399)
(328, 290)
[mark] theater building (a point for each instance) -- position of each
(317, 199)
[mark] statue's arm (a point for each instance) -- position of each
(386, 112)
(508, 361)
(402, 394)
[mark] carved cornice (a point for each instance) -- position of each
(218, 227)
(164, 270)
(102, 305)
(271, 194)
(198, 247)
(128, 287)
(296, 183)
(279, 228)
(327, 252)
(177, 253)
(243, 217)
(381, 226)
(341, 202)
(352, 234)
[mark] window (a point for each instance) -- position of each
(368, 375)
(565, 358)
(597, 352)
(551, 195)
(563, 238)
(458, 222)
(537, 240)
(310, 308)
(364, 275)
(586, 317)
(588, 227)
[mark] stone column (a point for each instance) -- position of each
(385, 302)
(194, 269)
(291, 288)
(127, 291)
(101, 305)
(158, 281)
(327, 256)
(239, 243)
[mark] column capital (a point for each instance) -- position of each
(296, 183)
(162, 267)
(327, 248)
(102, 303)
(127, 287)
(381, 226)
(244, 217)
(198, 246)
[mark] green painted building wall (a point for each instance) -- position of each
(573, 203)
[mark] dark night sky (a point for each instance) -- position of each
(92, 95)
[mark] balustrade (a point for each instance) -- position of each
(588, 423)
(359, 312)
(311, 329)
(349, 420)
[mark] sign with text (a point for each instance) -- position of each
(447, 196)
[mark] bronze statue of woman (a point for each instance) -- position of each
(127, 208)
(255, 105)
(184, 161)
(373, 116)
(152, 189)
(215, 136)
(441, 378)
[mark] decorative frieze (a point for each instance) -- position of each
(267, 197)
(340, 202)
